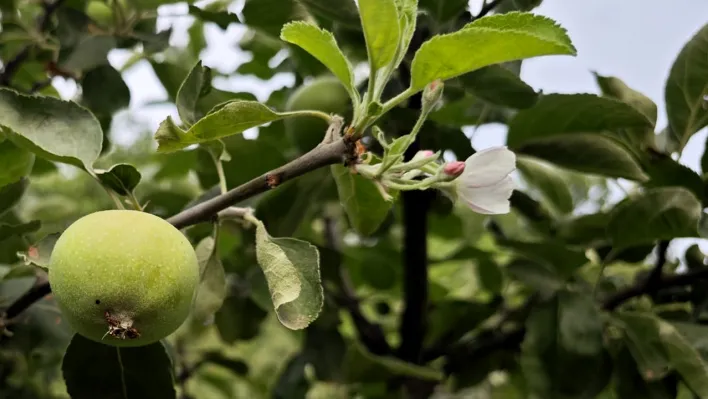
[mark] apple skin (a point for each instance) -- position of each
(123, 269)
(326, 94)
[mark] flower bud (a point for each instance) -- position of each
(432, 94)
(454, 169)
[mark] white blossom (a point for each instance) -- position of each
(486, 185)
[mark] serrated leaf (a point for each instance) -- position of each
(498, 85)
(104, 91)
(232, 118)
(39, 253)
(94, 370)
(9, 230)
(548, 180)
(588, 153)
(58, 130)
(556, 114)
(382, 35)
(656, 214)
(15, 163)
(121, 178)
(686, 92)
(486, 41)
(10, 194)
(323, 46)
(292, 270)
(615, 88)
(212, 286)
(365, 206)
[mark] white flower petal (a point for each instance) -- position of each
(488, 167)
(489, 200)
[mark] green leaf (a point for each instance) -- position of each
(663, 171)
(674, 347)
(10, 230)
(233, 118)
(365, 207)
(565, 333)
(221, 18)
(363, 366)
(486, 41)
(15, 163)
(195, 85)
(10, 194)
(292, 269)
(641, 334)
(103, 91)
(588, 153)
(121, 178)
(269, 16)
(687, 89)
(656, 214)
(562, 260)
(90, 52)
(323, 46)
(94, 370)
(58, 130)
(536, 275)
(212, 286)
(547, 179)
(556, 114)
(39, 253)
(498, 85)
(381, 33)
(616, 88)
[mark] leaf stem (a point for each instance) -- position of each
(309, 112)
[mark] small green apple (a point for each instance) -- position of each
(100, 12)
(326, 94)
(123, 278)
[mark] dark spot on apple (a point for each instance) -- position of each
(98, 301)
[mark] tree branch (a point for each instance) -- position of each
(323, 155)
(12, 66)
(486, 9)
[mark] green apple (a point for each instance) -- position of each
(123, 278)
(324, 94)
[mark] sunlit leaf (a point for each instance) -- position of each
(381, 33)
(486, 41)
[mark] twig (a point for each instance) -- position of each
(370, 334)
(318, 157)
(12, 66)
(654, 277)
(34, 294)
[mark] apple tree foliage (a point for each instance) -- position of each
(320, 277)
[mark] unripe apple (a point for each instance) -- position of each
(100, 12)
(324, 94)
(123, 278)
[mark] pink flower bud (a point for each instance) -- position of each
(454, 169)
(432, 93)
(426, 153)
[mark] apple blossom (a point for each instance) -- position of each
(485, 183)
